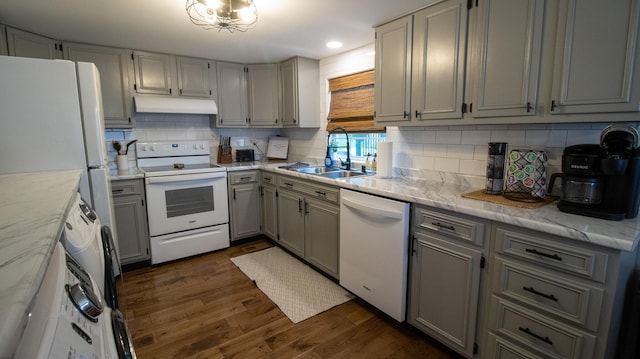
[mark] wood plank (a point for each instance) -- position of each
(205, 307)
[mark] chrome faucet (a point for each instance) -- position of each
(347, 163)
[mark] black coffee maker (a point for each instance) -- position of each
(602, 181)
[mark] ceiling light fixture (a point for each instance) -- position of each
(334, 44)
(232, 15)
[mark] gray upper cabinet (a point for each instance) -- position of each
(420, 65)
(162, 74)
(507, 58)
(116, 76)
(153, 73)
(25, 44)
(3, 40)
(300, 84)
(193, 77)
(392, 93)
(438, 62)
(263, 95)
(232, 95)
(596, 57)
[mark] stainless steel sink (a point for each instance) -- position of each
(343, 174)
(332, 172)
(317, 170)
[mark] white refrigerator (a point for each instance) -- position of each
(51, 118)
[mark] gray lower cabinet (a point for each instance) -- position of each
(551, 297)
(116, 75)
(308, 222)
(131, 220)
(244, 204)
(269, 205)
(447, 261)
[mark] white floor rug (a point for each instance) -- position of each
(299, 291)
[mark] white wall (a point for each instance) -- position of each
(453, 149)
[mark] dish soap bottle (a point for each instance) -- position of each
(367, 164)
(374, 164)
(328, 161)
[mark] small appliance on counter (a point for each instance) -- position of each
(602, 181)
(245, 155)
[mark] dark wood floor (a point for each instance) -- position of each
(205, 307)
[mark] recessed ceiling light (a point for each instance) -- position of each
(334, 44)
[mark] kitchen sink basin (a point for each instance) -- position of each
(332, 172)
(317, 170)
(343, 174)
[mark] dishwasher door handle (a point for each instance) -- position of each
(372, 210)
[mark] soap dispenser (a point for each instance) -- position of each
(374, 164)
(367, 163)
(328, 161)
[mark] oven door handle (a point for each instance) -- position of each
(185, 178)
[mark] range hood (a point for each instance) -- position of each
(153, 104)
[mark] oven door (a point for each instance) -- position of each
(188, 201)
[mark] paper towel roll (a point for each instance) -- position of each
(385, 159)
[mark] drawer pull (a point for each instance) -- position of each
(548, 296)
(246, 178)
(444, 226)
(320, 193)
(119, 190)
(288, 184)
(552, 256)
(544, 339)
(267, 179)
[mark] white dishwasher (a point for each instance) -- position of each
(374, 238)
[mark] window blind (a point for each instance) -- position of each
(351, 105)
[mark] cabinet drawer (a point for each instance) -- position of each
(460, 227)
(269, 178)
(566, 298)
(127, 187)
(243, 177)
(498, 348)
(552, 253)
(311, 189)
(539, 333)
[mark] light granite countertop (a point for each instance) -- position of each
(444, 190)
(33, 207)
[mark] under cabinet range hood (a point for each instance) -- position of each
(152, 104)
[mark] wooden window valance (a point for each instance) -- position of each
(351, 104)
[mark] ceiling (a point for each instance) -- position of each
(285, 28)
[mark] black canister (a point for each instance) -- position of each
(495, 167)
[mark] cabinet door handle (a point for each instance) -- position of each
(548, 296)
(306, 208)
(553, 105)
(405, 114)
(552, 256)
(529, 108)
(537, 336)
(234, 194)
(417, 114)
(440, 225)
(299, 205)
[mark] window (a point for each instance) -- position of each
(360, 145)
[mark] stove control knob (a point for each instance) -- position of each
(202, 146)
(152, 148)
(195, 146)
(85, 300)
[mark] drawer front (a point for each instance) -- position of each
(566, 298)
(581, 261)
(459, 227)
(127, 187)
(539, 333)
(243, 177)
(498, 348)
(267, 178)
(314, 190)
